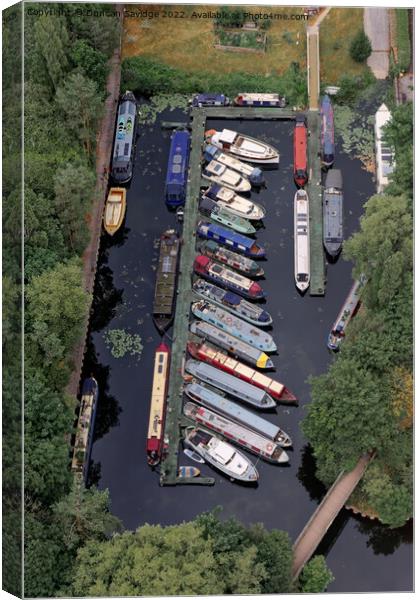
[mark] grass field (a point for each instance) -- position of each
(336, 33)
(187, 43)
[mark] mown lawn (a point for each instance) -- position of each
(188, 43)
(336, 33)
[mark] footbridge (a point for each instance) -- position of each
(324, 515)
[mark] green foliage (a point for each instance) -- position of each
(229, 16)
(79, 99)
(360, 47)
(122, 342)
(149, 77)
(316, 576)
(52, 41)
(351, 87)
(398, 133)
(403, 39)
(91, 62)
(206, 556)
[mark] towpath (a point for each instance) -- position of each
(376, 25)
(104, 141)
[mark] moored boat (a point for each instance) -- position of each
(333, 212)
(125, 137)
(240, 263)
(186, 472)
(243, 146)
(302, 245)
(236, 433)
(177, 173)
(213, 314)
(300, 166)
(233, 345)
(231, 239)
(163, 303)
(234, 411)
(220, 455)
(227, 278)
(233, 303)
(85, 427)
(327, 132)
(347, 312)
(248, 393)
(221, 360)
(156, 428)
(210, 99)
(238, 205)
(220, 214)
(114, 209)
(252, 99)
(221, 174)
(254, 174)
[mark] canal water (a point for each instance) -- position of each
(363, 555)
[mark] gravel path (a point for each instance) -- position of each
(376, 24)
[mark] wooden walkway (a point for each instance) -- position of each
(104, 141)
(326, 512)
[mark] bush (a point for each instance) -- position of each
(360, 48)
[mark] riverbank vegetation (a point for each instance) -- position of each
(65, 71)
(364, 402)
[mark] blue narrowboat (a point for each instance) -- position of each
(125, 137)
(177, 175)
(327, 132)
(210, 100)
(231, 239)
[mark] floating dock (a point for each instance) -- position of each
(175, 420)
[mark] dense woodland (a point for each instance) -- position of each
(365, 400)
(73, 544)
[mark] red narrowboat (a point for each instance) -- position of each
(300, 170)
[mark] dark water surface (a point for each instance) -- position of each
(363, 555)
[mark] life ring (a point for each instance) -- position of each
(269, 447)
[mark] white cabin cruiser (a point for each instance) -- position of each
(219, 173)
(243, 146)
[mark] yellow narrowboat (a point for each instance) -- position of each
(114, 209)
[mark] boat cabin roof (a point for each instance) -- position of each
(227, 136)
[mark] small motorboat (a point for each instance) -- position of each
(114, 209)
(194, 456)
(243, 146)
(220, 455)
(186, 472)
(219, 173)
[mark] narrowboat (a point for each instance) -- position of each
(210, 100)
(156, 428)
(227, 278)
(220, 455)
(233, 303)
(231, 385)
(236, 433)
(234, 411)
(243, 146)
(85, 427)
(238, 205)
(347, 312)
(218, 213)
(231, 239)
(220, 359)
(163, 303)
(260, 100)
(327, 132)
(213, 314)
(233, 345)
(240, 263)
(300, 166)
(218, 173)
(302, 246)
(125, 138)
(114, 209)
(333, 212)
(177, 173)
(254, 174)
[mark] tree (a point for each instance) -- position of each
(51, 38)
(56, 307)
(74, 188)
(398, 133)
(79, 99)
(91, 62)
(173, 560)
(360, 47)
(316, 576)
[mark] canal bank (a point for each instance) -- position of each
(363, 555)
